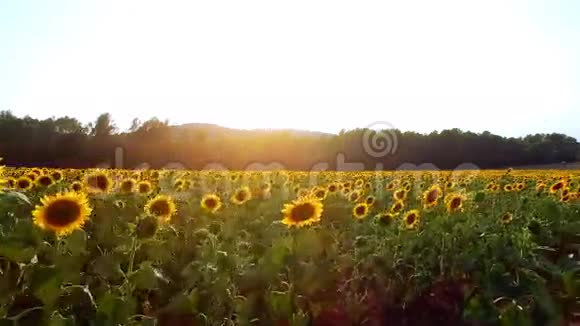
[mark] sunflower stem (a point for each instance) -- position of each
(59, 246)
(24, 313)
(132, 256)
(293, 269)
(442, 257)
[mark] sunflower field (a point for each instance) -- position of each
(175, 247)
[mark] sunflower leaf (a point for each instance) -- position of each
(308, 244)
(107, 266)
(114, 310)
(17, 253)
(45, 282)
(17, 196)
(281, 304)
(58, 320)
(183, 303)
(76, 242)
(147, 277)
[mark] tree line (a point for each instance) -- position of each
(67, 143)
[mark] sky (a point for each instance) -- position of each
(507, 66)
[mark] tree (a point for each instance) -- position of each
(104, 126)
(67, 125)
(135, 125)
(152, 124)
(65, 142)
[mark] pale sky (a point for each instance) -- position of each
(510, 67)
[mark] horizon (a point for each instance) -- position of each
(266, 129)
(509, 68)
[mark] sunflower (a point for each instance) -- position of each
(565, 192)
(520, 186)
(319, 193)
(119, 204)
(397, 207)
(76, 186)
(540, 187)
(266, 186)
(400, 194)
(565, 198)
(23, 183)
(358, 183)
(147, 227)
(302, 212)
(302, 192)
(62, 213)
(178, 184)
(296, 188)
(56, 175)
(508, 187)
(431, 196)
(127, 186)
(386, 218)
(98, 182)
(360, 210)
(144, 187)
(211, 202)
(506, 218)
(36, 171)
(345, 192)
(454, 202)
(332, 188)
(32, 176)
(411, 219)
(557, 186)
(44, 180)
(354, 195)
(490, 186)
(10, 182)
(161, 206)
(391, 185)
(241, 196)
(370, 200)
